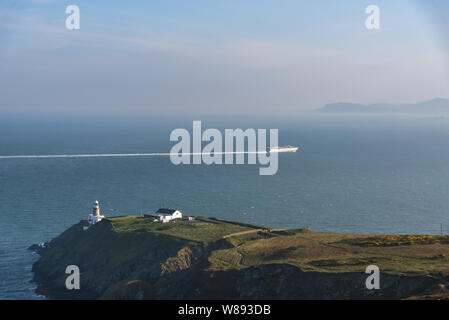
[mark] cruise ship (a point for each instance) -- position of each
(284, 149)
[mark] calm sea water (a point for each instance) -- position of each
(361, 175)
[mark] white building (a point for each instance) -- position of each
(165, 215)
(95, 217)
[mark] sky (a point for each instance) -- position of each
(218, 57)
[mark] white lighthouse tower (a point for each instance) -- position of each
(95, 216)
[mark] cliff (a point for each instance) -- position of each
(136, 258)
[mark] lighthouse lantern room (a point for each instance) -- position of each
(95, 216)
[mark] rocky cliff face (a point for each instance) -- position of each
(278, 281)
(283, 281)
(150, 266)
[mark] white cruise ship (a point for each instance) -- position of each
(284, 149)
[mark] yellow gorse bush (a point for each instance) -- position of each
(398, 240)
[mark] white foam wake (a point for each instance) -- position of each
(100, 155)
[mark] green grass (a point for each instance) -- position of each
(122, 250)
(214, 229)
(224, 259)
(331, 252)
(118, 241)
(308, 250)
(398, 240)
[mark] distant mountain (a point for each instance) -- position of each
(437, 105)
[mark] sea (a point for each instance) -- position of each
(352, 173)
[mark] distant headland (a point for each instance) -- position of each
(434, 106)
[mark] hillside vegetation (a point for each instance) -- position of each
(133, 257)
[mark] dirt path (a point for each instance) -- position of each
(239, 262)
(241, 233)
(250, 231)
(246, 232)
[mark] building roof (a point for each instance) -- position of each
(151, 214)
(166, 211)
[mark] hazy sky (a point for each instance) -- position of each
(218, 56)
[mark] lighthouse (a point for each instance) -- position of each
(95, 216)
(96, 208)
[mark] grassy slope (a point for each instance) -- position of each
(308, 250)
(333, 252)
(205, 230)
(130, 249)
